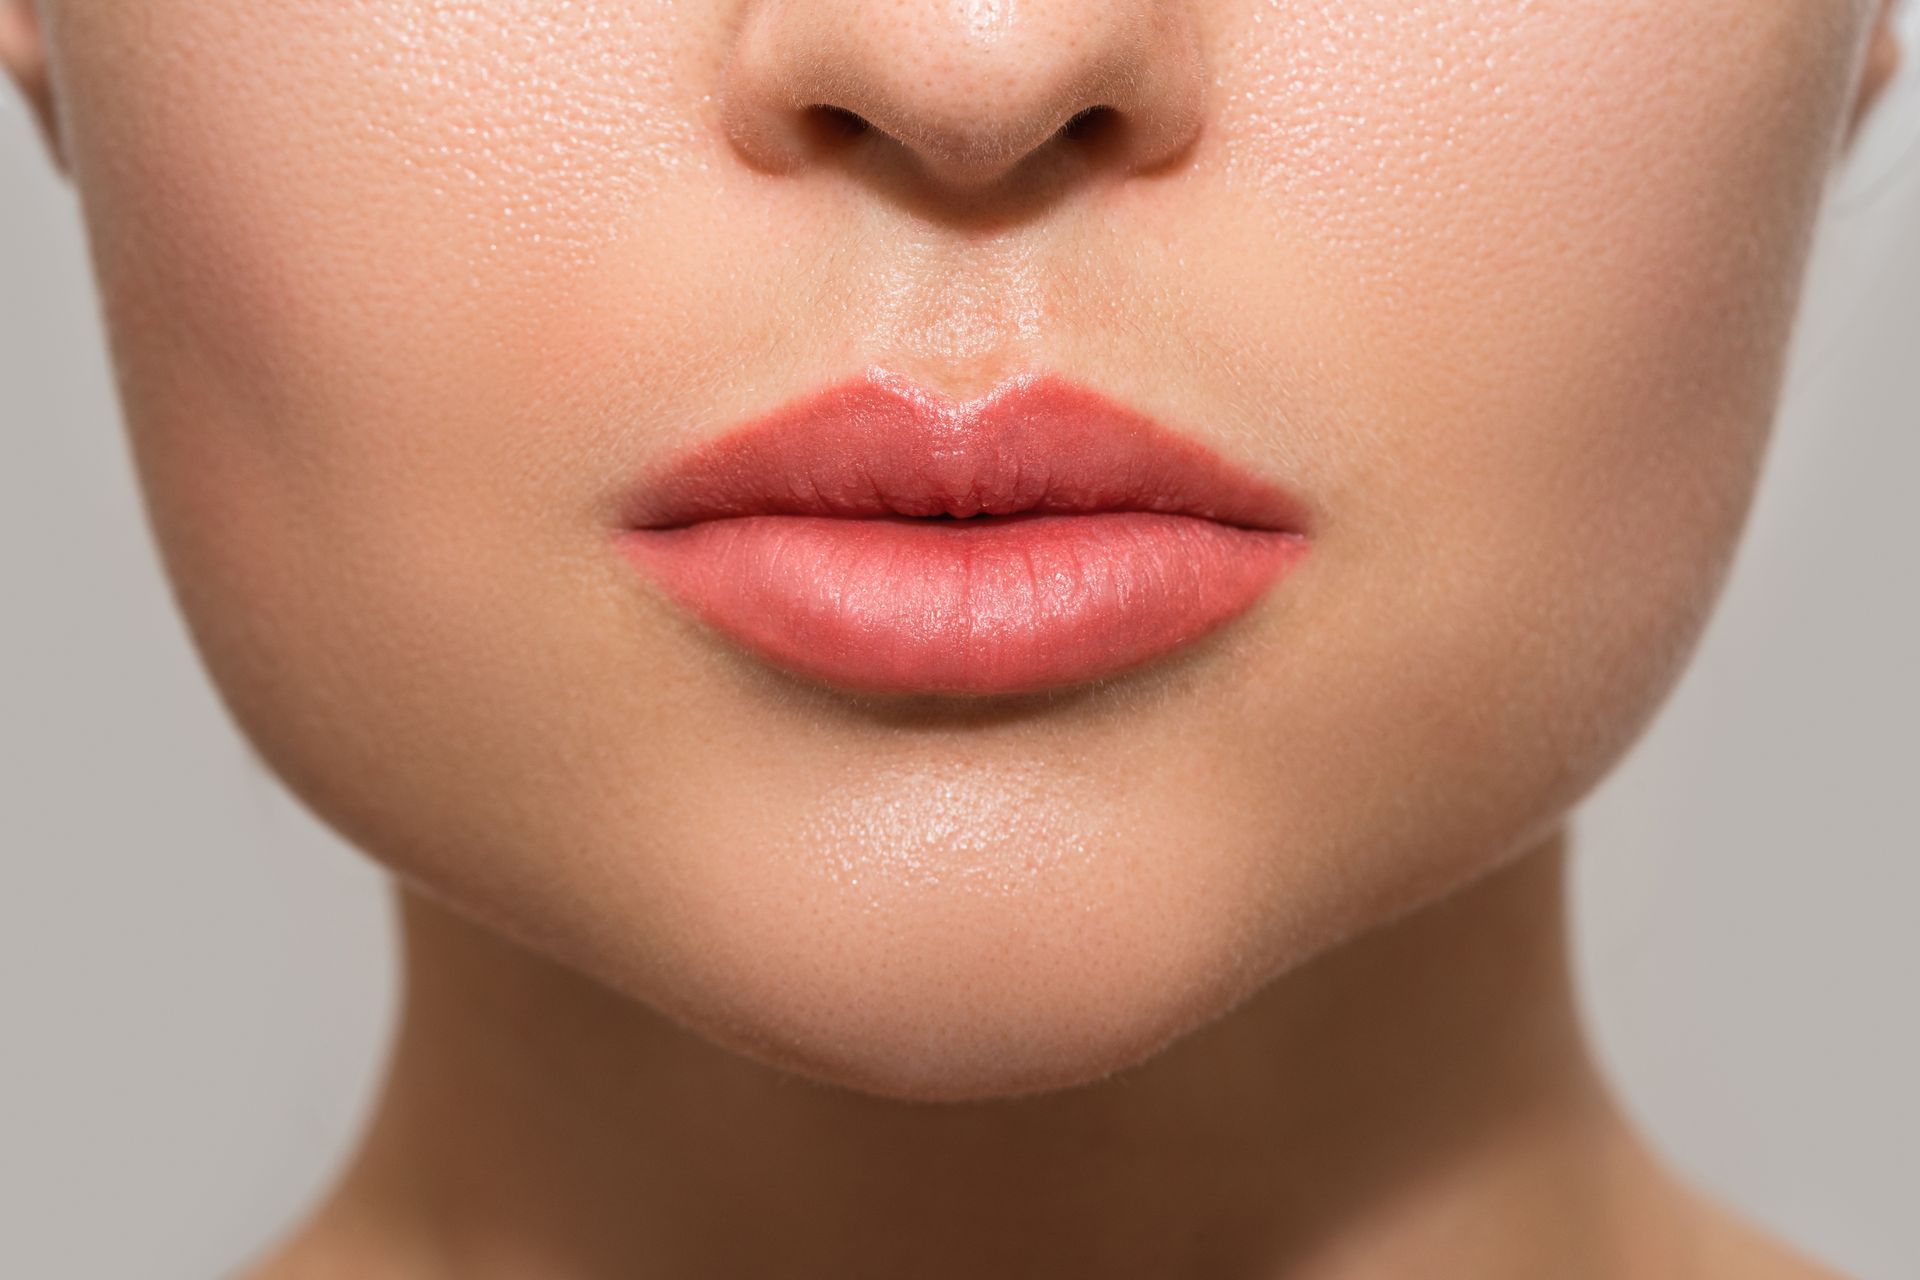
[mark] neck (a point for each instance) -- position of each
(1418, 1102)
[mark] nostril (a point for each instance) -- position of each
(1090, 123)
(827, 127)
(835, 123)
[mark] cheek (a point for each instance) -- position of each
(361, 260)
(1540, 267)
(1539, 228)
(387, 306)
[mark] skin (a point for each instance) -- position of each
(1250, 963)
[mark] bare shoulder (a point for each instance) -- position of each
(1732, 1247)
(311, 1257)
(337, 1241)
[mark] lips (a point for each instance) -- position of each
(876, 537)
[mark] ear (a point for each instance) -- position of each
(23, 56)
(1884, 57)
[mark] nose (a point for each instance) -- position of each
(969, 89)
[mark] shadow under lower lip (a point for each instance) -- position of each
(1003, 605)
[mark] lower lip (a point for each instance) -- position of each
(986, 605)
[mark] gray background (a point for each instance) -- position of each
(197, 978)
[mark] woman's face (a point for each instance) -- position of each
(406, 295)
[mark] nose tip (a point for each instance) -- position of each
(969, 88)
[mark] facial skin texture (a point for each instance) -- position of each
(403, 295)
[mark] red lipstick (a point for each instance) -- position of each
(877, 537)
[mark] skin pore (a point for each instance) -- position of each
(1249, 965)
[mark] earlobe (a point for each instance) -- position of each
(23, 55)
(1884, 58)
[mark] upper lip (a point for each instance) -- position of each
(881, 445)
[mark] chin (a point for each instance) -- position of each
(957, 1012)
(974, 970)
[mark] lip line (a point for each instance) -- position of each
(960, 522)
(985, 445)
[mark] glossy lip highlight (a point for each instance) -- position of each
(876, 537)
